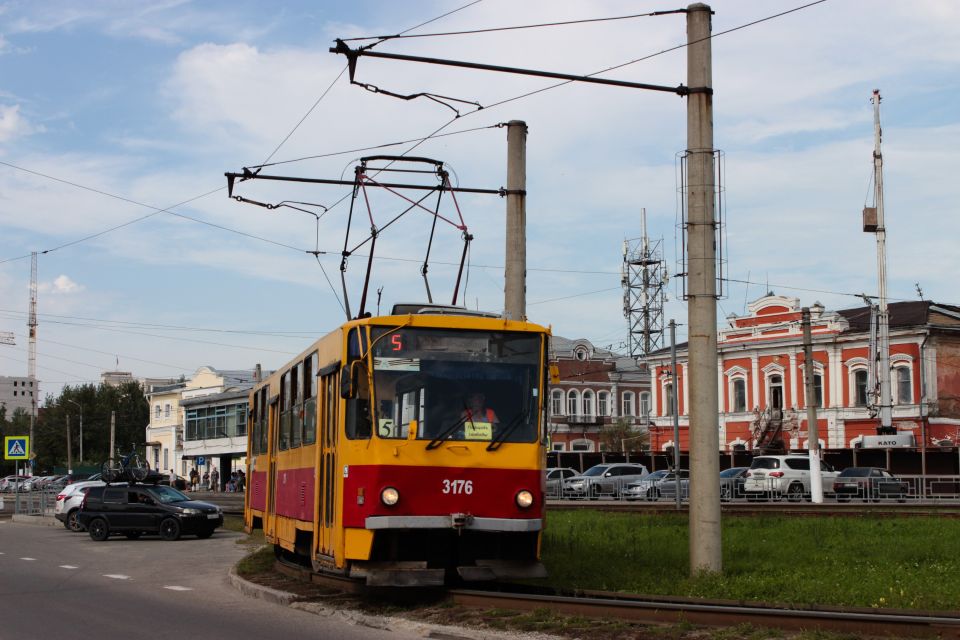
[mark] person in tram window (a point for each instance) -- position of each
(479, 420)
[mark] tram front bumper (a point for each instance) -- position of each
(453, 521)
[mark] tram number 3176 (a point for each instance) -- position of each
(458, 487)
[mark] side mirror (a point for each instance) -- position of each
(348, 388)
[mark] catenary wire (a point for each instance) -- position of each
(516, 27)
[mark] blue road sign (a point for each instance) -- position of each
(201, 461)
(16, 447)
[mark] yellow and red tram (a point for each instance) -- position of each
(367, 459)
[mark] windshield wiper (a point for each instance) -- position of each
(445, 434)
(505, 433)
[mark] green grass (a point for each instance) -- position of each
(901, 563)
(260, 561)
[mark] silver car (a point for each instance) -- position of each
(555, 477)
(604, 479)
(639, 490)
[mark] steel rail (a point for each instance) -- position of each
(714, 613)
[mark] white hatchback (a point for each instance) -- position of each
(69, 500)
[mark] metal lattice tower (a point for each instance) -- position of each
(644, 279)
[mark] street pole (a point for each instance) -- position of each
(706, 552)
(674, 401)
(515, 256)
(813, 432)
(113, 431)
(81, 434)
(69, 448)
(883, 318)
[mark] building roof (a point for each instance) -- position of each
(217, 398)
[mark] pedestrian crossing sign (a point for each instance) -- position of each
(16, 448)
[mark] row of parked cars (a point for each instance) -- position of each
(10, 484)
(134, 509)
(768, 477)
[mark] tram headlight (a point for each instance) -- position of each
(524, 499)
(389, 496)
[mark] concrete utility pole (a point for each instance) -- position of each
(515, 273)
(883, 318)
(32, 356)
(675, 400)
(813, 432)
(706, 552)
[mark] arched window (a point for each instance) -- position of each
(668, 399)
(556, 402)
(587, 404)
(573, 403)
(645, 404)
(904, 385)
(860, 388)
(603, 403)
(627, 403)
(738, 393)
(775, 391)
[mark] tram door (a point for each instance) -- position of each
(270, 524)
(326, 471)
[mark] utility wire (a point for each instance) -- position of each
(514, 28)
(448, 13)
(148, 325)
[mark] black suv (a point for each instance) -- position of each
(137, 509)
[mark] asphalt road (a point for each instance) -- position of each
(57, 584)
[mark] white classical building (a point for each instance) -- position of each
(200, 423)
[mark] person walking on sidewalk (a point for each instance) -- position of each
(214, 480)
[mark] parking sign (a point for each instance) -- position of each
(16, 448)
(201, 461)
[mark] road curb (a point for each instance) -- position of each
(255, 590)
(360, 619)
(42, 521)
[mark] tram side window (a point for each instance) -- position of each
(310, 399)
(359, 421)
(296, 395)
(264, 422)
(254, 434)
(285, 413)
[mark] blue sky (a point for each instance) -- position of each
(153, 101)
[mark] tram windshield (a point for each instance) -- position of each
(457, 385)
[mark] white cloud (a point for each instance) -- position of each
(13, 124)
(61, 285)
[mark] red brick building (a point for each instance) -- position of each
(761, 367)
(597, 387)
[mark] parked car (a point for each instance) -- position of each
(137, 509)
(607, 479)
(869, 483)
(666, 487)
(787, 475)
(12, 483)
(638, 490)
(68, 503)
(731, 482)
(555, 477)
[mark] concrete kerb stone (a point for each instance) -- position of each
(387, 623)
(255, 590)
(44, 521)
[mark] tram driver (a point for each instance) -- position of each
(479, 420)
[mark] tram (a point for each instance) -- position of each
(406, 449)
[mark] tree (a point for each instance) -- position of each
(98, 401)
(622, 436)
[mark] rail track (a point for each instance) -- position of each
(664, 610)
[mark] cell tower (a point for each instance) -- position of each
(644, 279)
(32, 357)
